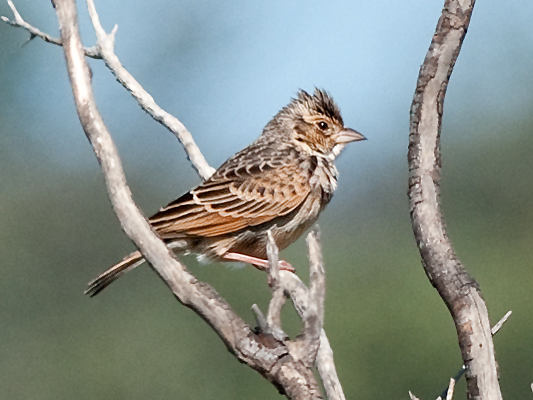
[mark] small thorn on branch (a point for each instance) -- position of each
(19, 22)
(259, 318)
(500, 323)
(32, 36)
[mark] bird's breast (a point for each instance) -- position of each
(324, 177)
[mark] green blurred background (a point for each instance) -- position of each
(225, 70)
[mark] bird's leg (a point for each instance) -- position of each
(259, 263)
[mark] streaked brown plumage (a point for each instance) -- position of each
(280, 182)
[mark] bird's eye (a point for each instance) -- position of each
(323, 125)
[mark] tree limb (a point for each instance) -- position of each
(313, 317)
(104, 49)
(457, 288)
(106, 44)
(290, 284)
(278, 293)
(324, 359)
(19, 22)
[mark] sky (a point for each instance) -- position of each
(225, 70)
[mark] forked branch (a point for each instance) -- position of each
(19, 22)
(104, 49)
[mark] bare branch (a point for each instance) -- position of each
(324, 359)
(500, 323)
(446, 273)
(278, 294)
(271, 325)
(448, 392)
(451, 387)
(19, 22)
(412, 396)
(326, 369)
(260, 318)
(314, 314)
(106, 44)
(455, 379)
(104, 49)
(273, 258)
(288, 282)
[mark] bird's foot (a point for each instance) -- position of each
(259, 263)
(284, 265)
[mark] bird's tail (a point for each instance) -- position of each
(100, 283)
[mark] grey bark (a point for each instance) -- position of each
(457, 288)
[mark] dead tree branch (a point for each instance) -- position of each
(106, 44)
(314, 313)
(457, 288)
(278, 293)
(104, 49)
(19, 22)
(324, 359)
(292, 286)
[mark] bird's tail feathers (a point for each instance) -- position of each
(100, 283)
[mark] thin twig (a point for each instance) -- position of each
(324, 359)
(500, 323)
(448, 392)
(104, 49)
(278, 295)
(19, 22)
(412, 396)
(451, 388)
(456, 379)
(106, 44)
(273, 258)
(259, 318)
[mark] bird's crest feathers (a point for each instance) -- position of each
(320, 103)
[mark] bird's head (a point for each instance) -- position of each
(314, 124)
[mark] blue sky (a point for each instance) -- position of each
(225, 69)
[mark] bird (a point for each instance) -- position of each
(279, 183)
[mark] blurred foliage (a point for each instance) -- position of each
(389, 330)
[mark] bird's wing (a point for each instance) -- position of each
(238, 195)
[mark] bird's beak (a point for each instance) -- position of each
(348, 135)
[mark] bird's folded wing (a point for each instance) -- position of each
(238, 197)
